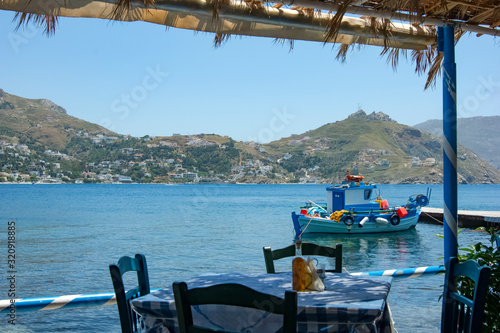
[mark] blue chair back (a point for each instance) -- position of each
(464, 313)
(128, 318)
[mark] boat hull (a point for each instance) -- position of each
(309, 224)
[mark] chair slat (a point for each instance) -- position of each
(308, 249)
(234, 295)
(460, 313)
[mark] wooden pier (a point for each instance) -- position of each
(466, 218)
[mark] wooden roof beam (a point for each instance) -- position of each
(400, 16)
(486, 14)
(234, 18)
(466, 3)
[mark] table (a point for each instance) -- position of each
(348, 304)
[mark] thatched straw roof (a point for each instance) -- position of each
(395, 25)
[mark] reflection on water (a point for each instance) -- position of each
(365, 252)
(414, 302)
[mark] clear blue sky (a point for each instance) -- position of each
(140, 78)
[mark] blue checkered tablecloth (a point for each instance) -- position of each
(348, 304)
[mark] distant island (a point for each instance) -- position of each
(479, 134)
(40, 142)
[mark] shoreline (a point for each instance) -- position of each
(213, 183)
(168, 184)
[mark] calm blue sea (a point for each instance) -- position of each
(67, 235)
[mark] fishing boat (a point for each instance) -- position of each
(354, 207)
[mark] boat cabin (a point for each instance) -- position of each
(351, 195)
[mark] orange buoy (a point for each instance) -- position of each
(384, 204)
(401, 211)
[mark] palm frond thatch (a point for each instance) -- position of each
(383, 31)
(220, 39)
(342, 53)
(423, 59)
(333, 27)
(123, 6)
(434, 70)
(282, 41)
(48, 21)
(393, 54)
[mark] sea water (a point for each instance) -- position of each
(67, 235)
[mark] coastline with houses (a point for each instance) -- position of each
(53, 147)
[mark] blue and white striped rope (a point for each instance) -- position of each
(405, 272)
(71, 301)
(52, 303)
(57, 302)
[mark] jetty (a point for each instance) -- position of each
(466, 218)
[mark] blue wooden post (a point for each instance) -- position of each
(447, 45)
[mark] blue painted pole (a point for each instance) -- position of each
(447, 46)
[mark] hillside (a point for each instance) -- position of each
(39, 141)
(41, 121)
(480, 134)
(383, 150)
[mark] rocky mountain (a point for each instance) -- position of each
(383, 150)
(40, 121)
(39, 141)
(480, 134)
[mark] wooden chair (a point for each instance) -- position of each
(308, 249)
(232, 294)
(460, 313)
(128, 318)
